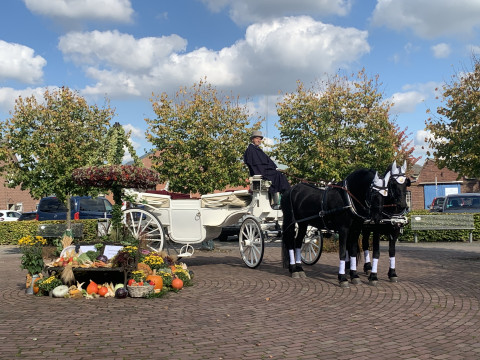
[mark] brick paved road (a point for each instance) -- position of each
(233, 312)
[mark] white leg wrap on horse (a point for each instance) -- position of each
(353, 263)
(366, 255)
(374, 265)
(341, 268)
(292, 256)
(298, 255)
(392, 263)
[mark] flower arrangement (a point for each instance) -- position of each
(167, 278)
(155, 261)
(138, 276)
(31, 248)
(183, 274)
(46, 285)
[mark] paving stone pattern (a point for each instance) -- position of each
(233, 312)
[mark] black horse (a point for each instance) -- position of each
(394, 209)
(342, 207)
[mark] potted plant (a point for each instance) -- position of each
(46, 285)
(32, 259)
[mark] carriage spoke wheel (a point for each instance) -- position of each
(312, 246)
(144, 226)
(251, 242)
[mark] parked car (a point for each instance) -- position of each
(83, 207)
(30, 215)
(462, 203)
(437, 204)
(9, 215)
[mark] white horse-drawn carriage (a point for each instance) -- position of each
(157, 219)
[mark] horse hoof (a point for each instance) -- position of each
(356, 281)
(373, 282)
(367, 268)
(393, 279)
(344, 284)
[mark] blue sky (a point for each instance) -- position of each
(126, 50)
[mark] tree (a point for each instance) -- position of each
(456, 129)
(200, 137)
(328, 131)
(42, 143)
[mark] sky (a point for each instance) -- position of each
(129, 51)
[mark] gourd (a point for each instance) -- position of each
(177, 283)
(92, 288)
(60, 291)
(157, 279)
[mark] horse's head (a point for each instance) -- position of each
(397, 187)
(378, 192)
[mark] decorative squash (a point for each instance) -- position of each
(177, 283)
(157, 279)
(92, 288)
(36, 289)
(102, 291)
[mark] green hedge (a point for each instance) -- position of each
(12, 231)
(439, 235)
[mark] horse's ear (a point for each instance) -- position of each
(376, 180)
(386, 179)
(404, 167)
(394, 168)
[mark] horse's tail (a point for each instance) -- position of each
(288, 227)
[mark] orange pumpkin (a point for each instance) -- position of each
(102, 291)
(92, 288)
(177, 283)
(36, 289)
(157, 279)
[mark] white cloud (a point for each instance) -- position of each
(9, 95)
(406, 102)
(441, 50)
(295, 47)
(18, 62)
(250, 11)
(109, 10)
(427, 18)
(136, 132)
(421, 145)
(412, 95)
(117, 50)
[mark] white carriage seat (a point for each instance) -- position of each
(155, 200)
(238, 198)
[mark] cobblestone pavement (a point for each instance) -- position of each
(233, 312)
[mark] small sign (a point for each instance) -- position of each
(85, 248)
(111, 250)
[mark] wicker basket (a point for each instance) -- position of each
(139, 291)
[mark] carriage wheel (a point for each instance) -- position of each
(312, 246)
(251, 242)
(143, 225)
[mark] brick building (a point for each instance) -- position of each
(16, 199)
(432, 181)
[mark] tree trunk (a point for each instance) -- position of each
(69, 213)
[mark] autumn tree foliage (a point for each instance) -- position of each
(43, 142)
(336, 127)
(200, 136)
(455, 129)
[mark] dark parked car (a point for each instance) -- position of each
(437, 204)
(462, 203)
(83, 207)
(32, 215)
